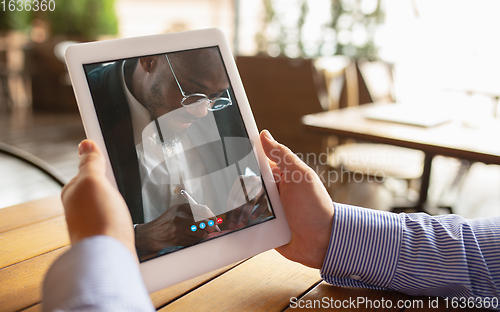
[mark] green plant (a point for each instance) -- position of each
(368, 21)
(87, 18)
(15, 20)
(349, 21)
(261, 39)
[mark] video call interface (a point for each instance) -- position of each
(178, 148)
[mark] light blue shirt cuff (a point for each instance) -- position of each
(97, 274)
(364, 248)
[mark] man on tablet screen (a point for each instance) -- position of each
(178, 148)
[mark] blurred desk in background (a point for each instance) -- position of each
(33, 235)
(450, 138)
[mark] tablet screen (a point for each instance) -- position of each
(178, 147)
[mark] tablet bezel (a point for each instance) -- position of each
(189, 262)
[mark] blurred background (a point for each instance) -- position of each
(295, 57)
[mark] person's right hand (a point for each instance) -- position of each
(308, 206)
(172, 228)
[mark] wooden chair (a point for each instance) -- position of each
(15, 84)
(280, 92)
(363, 83)
(378, 79)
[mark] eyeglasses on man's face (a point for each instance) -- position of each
(194, 99)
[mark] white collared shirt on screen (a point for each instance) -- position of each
(157, 196)
(166, 170)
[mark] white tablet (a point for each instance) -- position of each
(171, 116)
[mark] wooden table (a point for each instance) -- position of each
(450, 139)
(33, 235)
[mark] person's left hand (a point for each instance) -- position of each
(238, 217)
(92, 205)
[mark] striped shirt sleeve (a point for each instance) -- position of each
(414, 253)
(97, 274)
